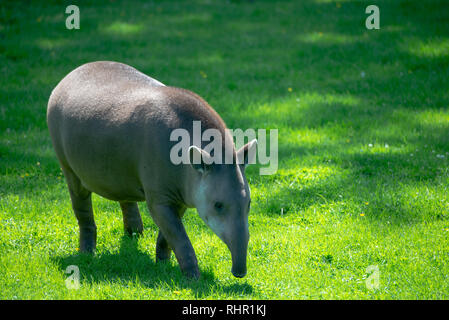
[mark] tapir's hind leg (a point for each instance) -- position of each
(82, 206)
(132, 220)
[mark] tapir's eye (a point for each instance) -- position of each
(218, 206)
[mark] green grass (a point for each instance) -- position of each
(363, 146)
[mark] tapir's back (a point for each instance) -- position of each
(111, 124)
(99, 86)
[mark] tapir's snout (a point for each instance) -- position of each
(238, 245)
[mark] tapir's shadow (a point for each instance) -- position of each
(131, 264)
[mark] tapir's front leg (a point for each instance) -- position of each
(170, 225)
(163, 250)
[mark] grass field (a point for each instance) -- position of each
(363, 120)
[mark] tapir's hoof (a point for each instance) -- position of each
(133, 232)
(192, 274)
(88, 241)
(88, 248)
(163, 255)
(134, 228)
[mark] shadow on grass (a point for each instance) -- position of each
(387, 178)
(130, 264)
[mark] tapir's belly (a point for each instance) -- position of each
(113, 185)
(114, 191)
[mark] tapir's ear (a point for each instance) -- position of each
(199, 159)
(247, 154)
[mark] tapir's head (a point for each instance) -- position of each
(222, 198)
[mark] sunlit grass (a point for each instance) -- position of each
(124, 28)
(327, 38)
(435, 48)
(51, 43)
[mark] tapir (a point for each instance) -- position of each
(110, 126)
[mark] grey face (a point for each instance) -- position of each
(223, 200)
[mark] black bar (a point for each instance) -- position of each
(223, 309)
